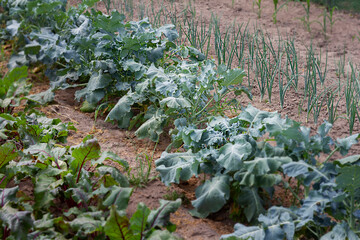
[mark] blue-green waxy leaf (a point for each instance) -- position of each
(169, 31)
(233, 77)
(212, 195)
(261, 166)
(254, 117)
(175, 103)
(276, 125)
(249, 179)
(160, 217)
(95, 89)
(112, 23)
(43, 97)
(134, 67)
(339, 232)
(349, 178)
(166, 88)
(301, 168)
(324, 129)
(278, 223)
(232, 155)
(82, 30)
(156, 53)
(344, 144)
(174, 167)
(122, 112)
(314, 203)
(8, 152)
(162, 235)
(245, 232)
(349, 160)
(13, 27)
(357, 214)
(152, 128)
(195, 54)
(119, 197)
(253, 205)
(17, 60)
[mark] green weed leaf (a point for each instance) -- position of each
(175, 103)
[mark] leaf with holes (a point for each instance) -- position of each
(349, 178)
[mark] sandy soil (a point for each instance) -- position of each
(127, 146)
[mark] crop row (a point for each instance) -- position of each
(111, 58)
(271, 65)
(159, 83)
(72, 193)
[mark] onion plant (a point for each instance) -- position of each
(332, 103)
(291, 69)
(352, 96)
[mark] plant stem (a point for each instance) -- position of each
(198, 113)
(2, 180)
(287, 186)
(352, 222)
(330, 155)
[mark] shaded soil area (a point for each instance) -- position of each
(126, 145)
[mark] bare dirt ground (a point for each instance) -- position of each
(127, 146)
